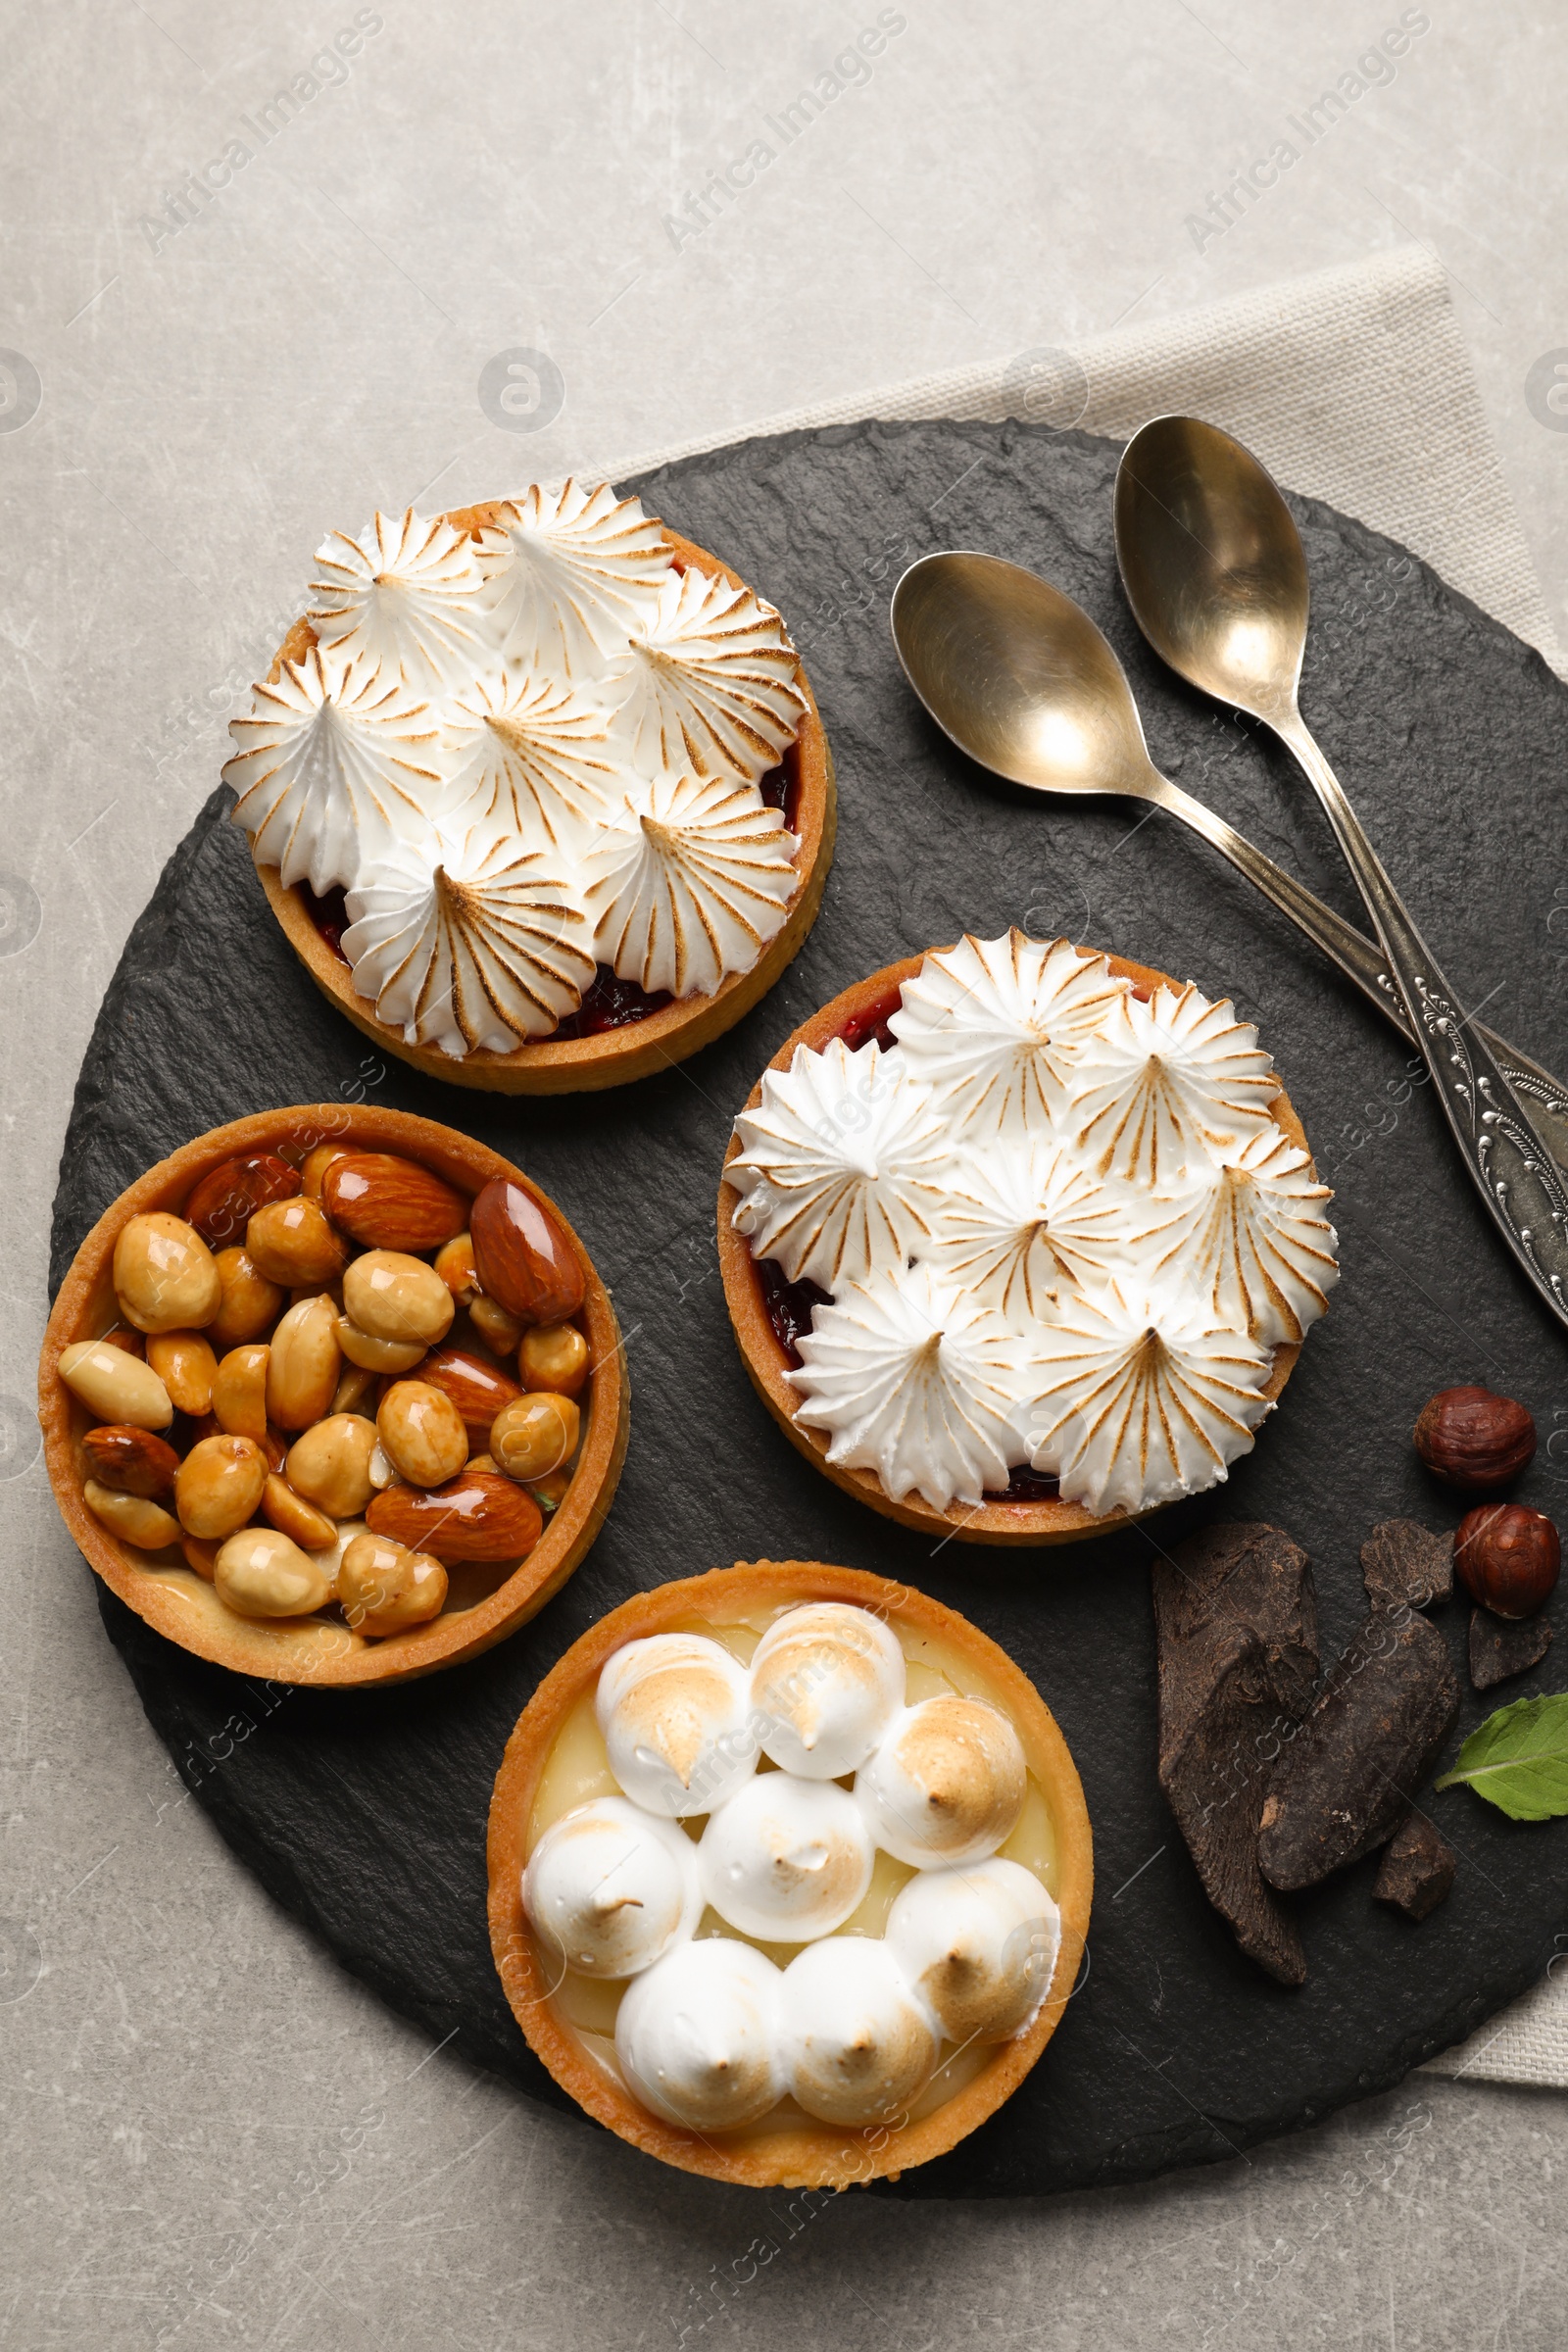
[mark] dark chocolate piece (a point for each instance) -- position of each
(1236, 1617)
(1417, 1869)
(1500, 1647)
(1404, 1561)
(1366, 1747)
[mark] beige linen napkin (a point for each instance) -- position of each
(1353, 385)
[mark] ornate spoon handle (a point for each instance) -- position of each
(1508, 1160)
(1360, 960)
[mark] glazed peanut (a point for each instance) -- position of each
(303, 1368)
(291, 1241)
(370, 1354)
(454, 1262)
(203, 1557)
(294, 1517)
(251, 1305)
(315, 1167)
(390, 1295)
(382, 1474)
(185, 1363)
(549, 1492)
(115, 1385)
(219, 1485)
(353, 1382)
(384, 1587)
(535, 1435)
(164, 1274)
(422, 1433)
(554, 1356)
(136, 1521)
(239, 1392)
(132, 1460)
(330, 1464)
(500, 1331)
(262, 1574)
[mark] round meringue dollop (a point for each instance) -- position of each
(337, 763)
(481, 949)
(1159, 1088)
(838, 1166)
(609, 1888)
(407, 597)
(697, 2035)
(991, 1027)
(827, 1679)
(916, 1382)
(577, 575)
(710, 684)
(676, 1714)
(1140, 1397)
(978, 1944)
(1250, 1241)
(786, 1859)
(856, 2044)
(946, 1783)
(688, 880)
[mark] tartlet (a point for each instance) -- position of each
(484, 1603)
(640, 1042)
(786, 2146)
(769, 1314)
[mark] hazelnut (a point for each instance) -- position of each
(1474, 1440)
(1507, 1557)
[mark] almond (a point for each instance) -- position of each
(134, 1460)
(478, 1515)
(477, 1390)
(522, 1257)
(229, 1194)
(391, 1204)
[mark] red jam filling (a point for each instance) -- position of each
(610, 1003)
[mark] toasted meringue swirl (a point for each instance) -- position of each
(529, 752)
(476, 953)
(991, 1025)
(711, 683)
(689, 881)
(578, 574)
(405, 597)
(916, 1383)
(838, 1166)
(337, 763)
(1251, 1240)
(1020, 1218)
(1159, 1088)
(1140, 1397)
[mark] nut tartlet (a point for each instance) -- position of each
(492, 756)
(339, 1505)
(954, 2024)
(1061, 1272)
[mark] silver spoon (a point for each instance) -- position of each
(1022, 681)
(1216, 576)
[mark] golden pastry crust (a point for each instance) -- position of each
(1051, 1521)
(303, 1650)
(812, 2155)
(580, 1065)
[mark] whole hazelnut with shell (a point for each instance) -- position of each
(1473, 1439)
(1507, 1557)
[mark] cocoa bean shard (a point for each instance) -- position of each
(1236, 1623)
(1500, 1647)
(1403, 1561)
(1417, 1868)
(1372, 1737)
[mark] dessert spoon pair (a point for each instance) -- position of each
(1022, 681)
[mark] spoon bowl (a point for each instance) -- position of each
(1214, 564)
(1018, 677)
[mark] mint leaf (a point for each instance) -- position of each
(1518, 1759)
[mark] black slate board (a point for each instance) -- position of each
(365, 1814)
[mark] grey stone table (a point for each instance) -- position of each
(214, 2138)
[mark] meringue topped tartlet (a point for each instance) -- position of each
(790, 1874)
(537, 789)
(1020, 1241)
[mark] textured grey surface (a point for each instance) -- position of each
(179, 2060)
(366, 1812)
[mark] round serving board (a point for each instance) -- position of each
(363, 1813)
